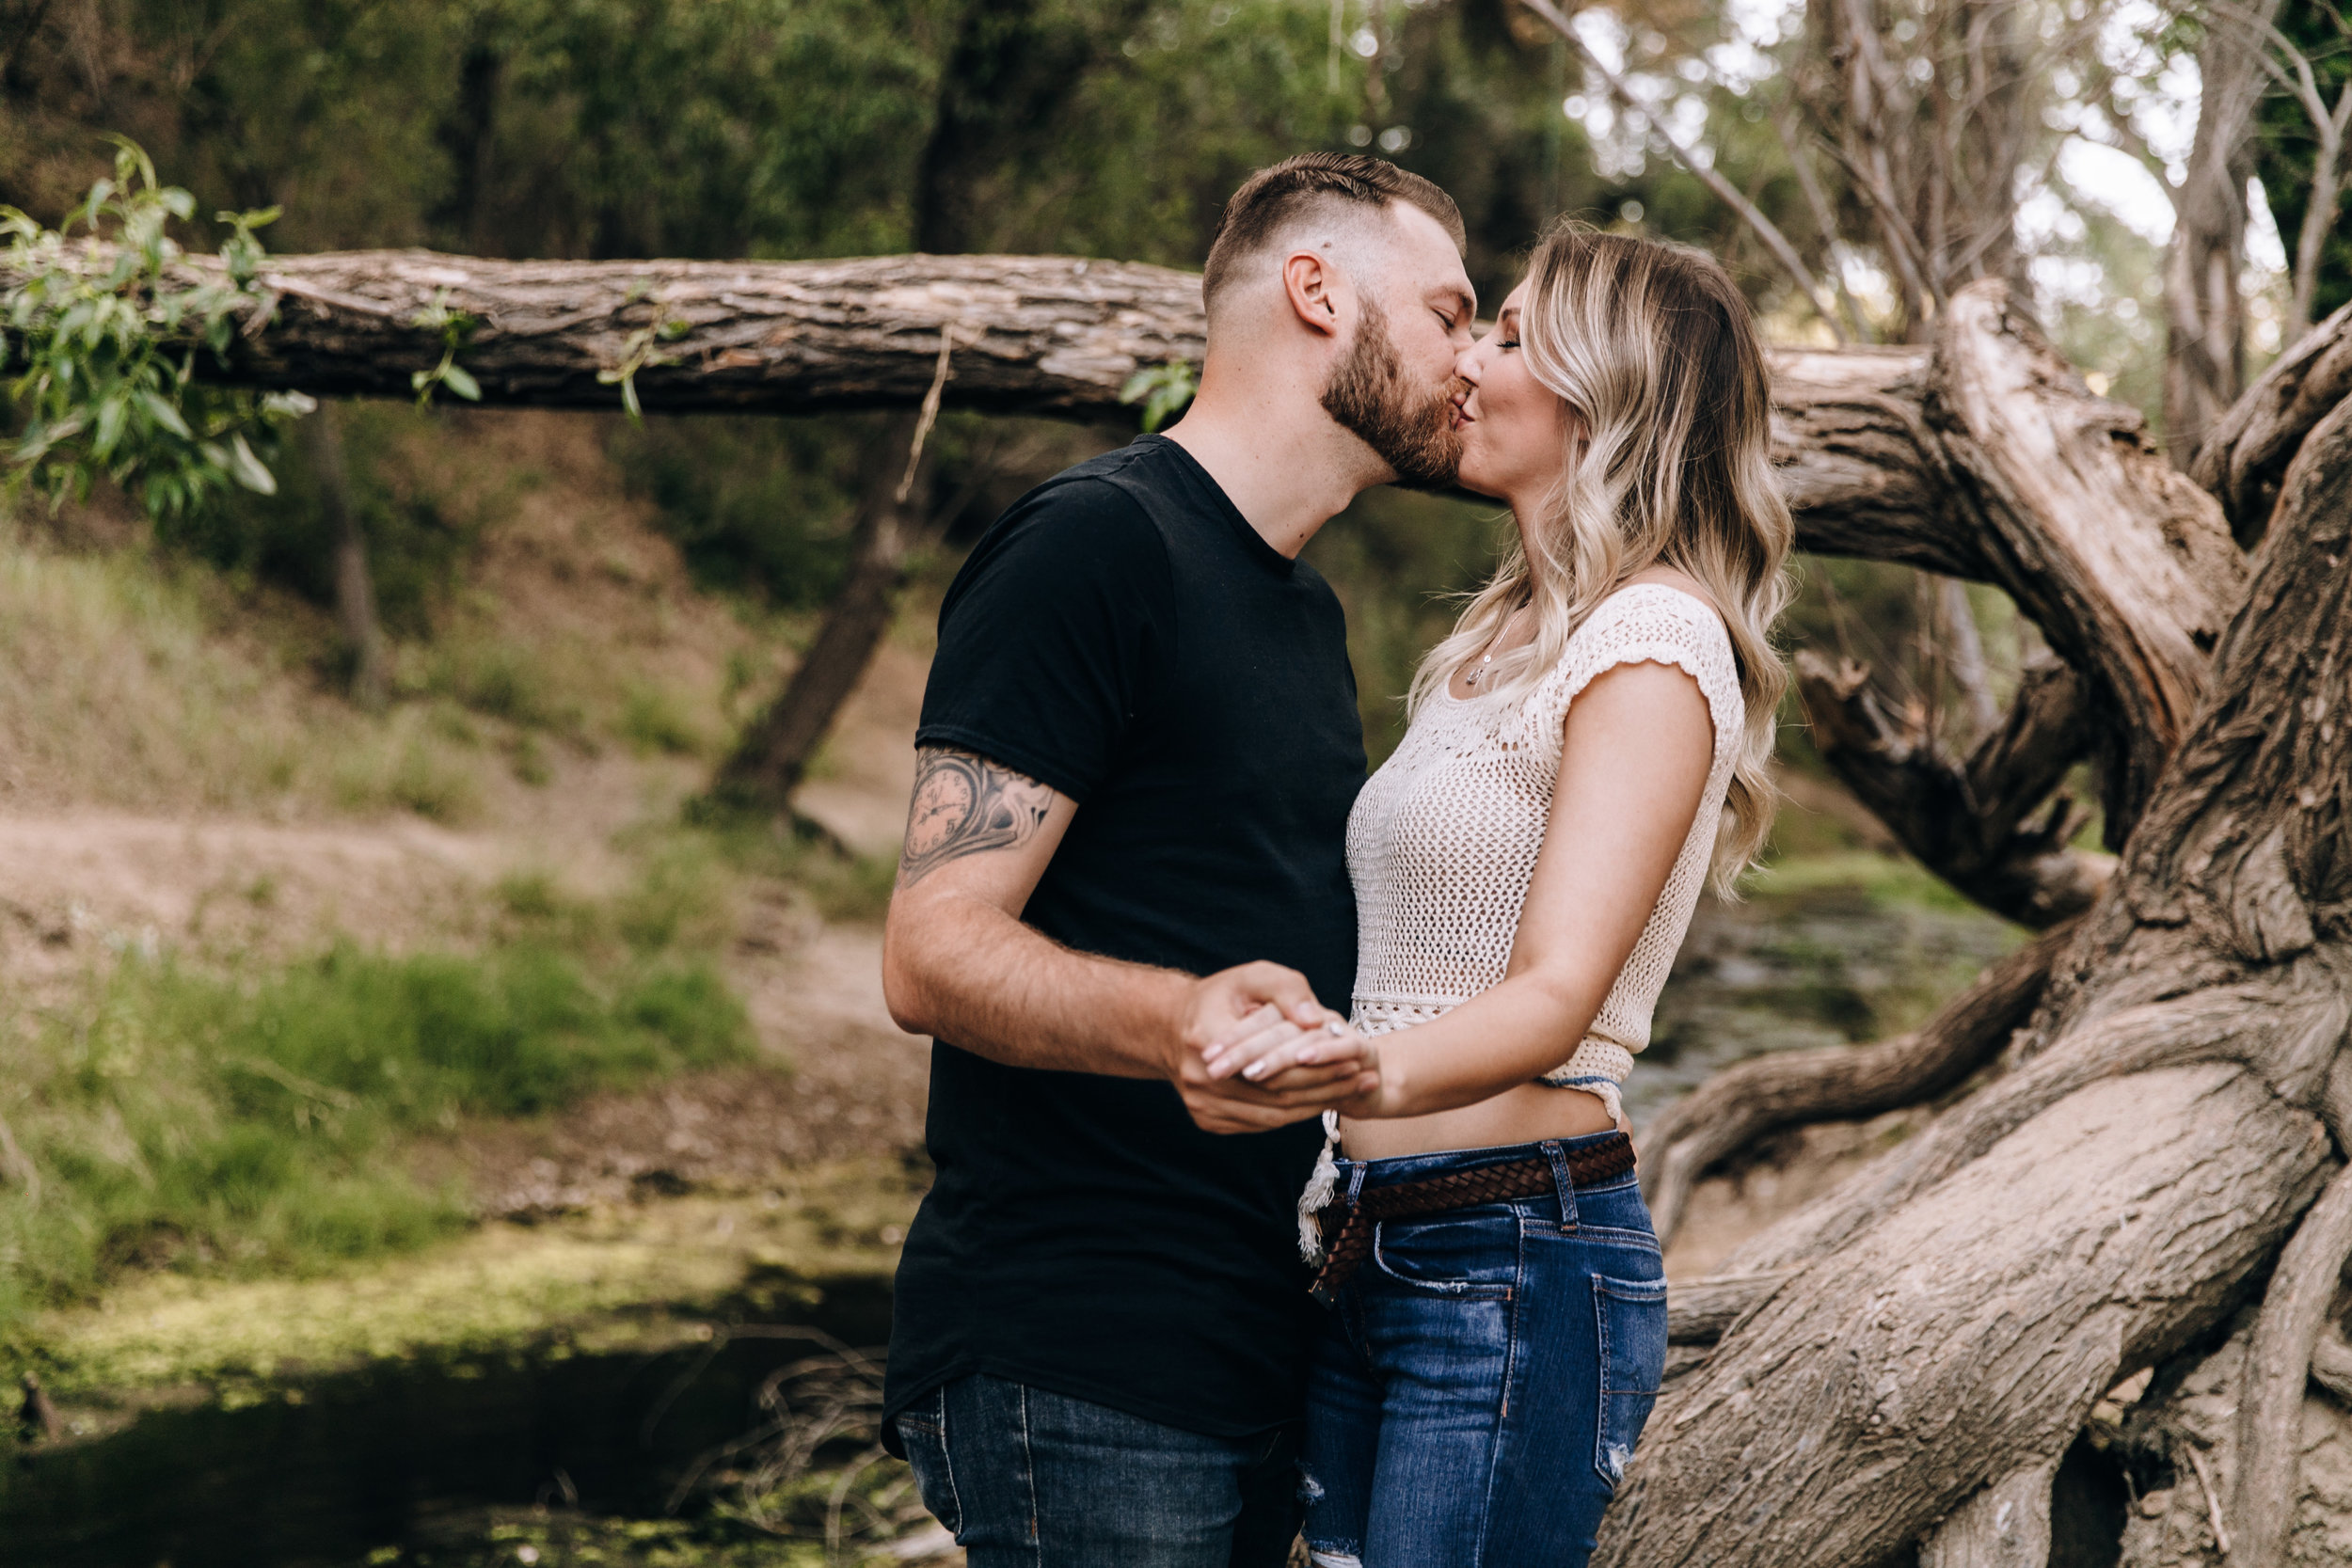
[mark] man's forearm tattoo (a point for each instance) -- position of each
(964, 804)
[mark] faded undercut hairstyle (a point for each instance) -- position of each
(1273, 199)
(1651, 347)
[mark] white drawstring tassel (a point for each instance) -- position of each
(1320, 1188)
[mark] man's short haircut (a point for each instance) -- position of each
(1269, 199)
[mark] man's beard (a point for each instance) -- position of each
(1411, 430)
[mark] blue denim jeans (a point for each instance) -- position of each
(1482, 1380)
(1024, 1479)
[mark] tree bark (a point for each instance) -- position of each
(1037, 334)
(2167, 1117)
(2277, 1369)
(2005, 1525)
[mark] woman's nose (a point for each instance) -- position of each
(1468, 362)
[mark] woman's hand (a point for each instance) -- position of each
(1277, 1054)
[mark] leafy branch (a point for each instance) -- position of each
(103, 328)
(455, 327)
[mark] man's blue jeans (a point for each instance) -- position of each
(1024, 1479)
(1482, 1380)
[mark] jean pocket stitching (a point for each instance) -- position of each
(1607, 1235)
(934, 1433)
(1453, 1289)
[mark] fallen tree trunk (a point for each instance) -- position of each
(1035, 334)
(1947, 1318)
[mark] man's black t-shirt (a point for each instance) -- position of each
(1123, 635)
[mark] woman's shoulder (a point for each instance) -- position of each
(1660, 616)
(1654, 605)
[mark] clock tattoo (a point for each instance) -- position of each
(965, 804)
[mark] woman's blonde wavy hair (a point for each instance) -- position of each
(1650, 346)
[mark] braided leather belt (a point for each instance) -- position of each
(1344, 1251)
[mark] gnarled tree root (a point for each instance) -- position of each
(2278, 1369)
(2005, 1525)
(1837, 1082)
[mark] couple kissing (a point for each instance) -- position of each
(1281, 1175)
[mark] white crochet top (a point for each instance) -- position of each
(1443, 838)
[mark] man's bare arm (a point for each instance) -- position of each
(958, 963)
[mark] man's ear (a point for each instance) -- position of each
(1316, 289)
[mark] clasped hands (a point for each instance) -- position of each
(1258, 1050)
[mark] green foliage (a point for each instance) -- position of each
(421, 527)
(191, 1119)
(107, 335)
(758, 507)
(1398, 561)
(1163, 390)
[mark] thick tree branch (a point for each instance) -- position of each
(2246, 456)
(2124, 564)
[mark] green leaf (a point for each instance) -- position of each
(160, 409)
(247, 469)
(460, 380)
(110, 417)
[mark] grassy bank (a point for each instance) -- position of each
(252, 1122)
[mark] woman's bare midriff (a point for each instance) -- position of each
(1528, 1114)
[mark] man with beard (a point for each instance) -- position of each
(1137, 755)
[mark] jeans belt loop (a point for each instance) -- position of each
(1355, 1194)
(1562, 1182)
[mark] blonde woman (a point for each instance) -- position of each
(1585, 748)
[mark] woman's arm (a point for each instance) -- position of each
(1634, 756)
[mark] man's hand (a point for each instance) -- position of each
(1249, 1001)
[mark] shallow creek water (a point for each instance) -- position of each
(331, 1470)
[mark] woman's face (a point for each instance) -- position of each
(1513, 430)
